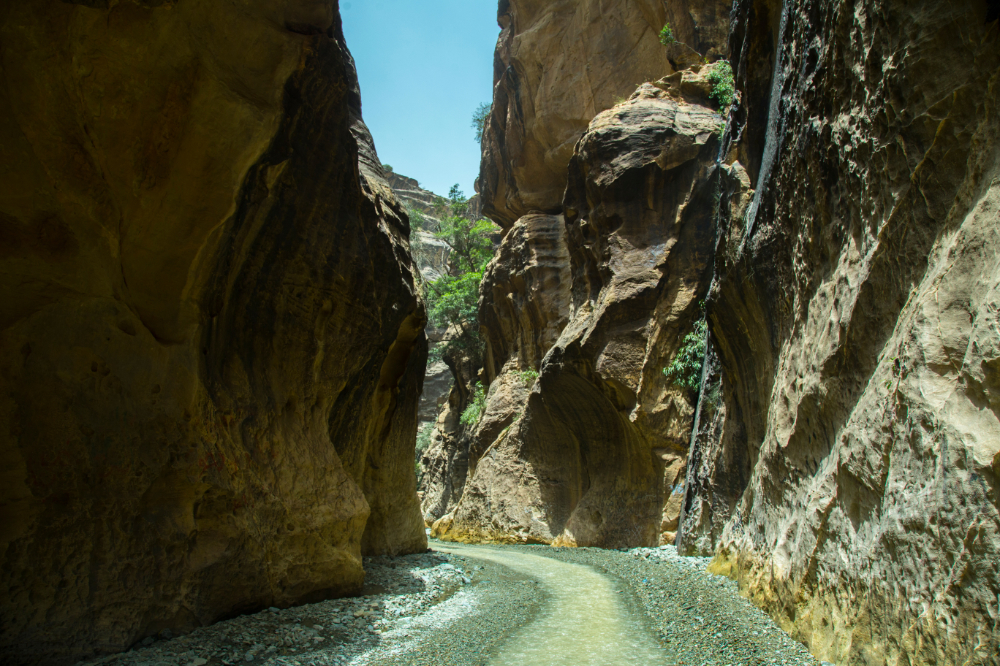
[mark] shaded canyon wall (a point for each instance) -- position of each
(211, 344)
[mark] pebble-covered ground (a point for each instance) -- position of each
(700, 618)
(436, 609)
(433, 608)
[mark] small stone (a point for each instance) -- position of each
(198, 661)
(318, 627)
(249, 656)
(273, 609)
(147, 641)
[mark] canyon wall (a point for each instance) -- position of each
(557, 65)
(606, 255)
(594, 304)
(849, 476)
(211, 345)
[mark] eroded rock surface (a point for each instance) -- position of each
(598, 302)
(559, 64)
(850, 479)
(211, 340)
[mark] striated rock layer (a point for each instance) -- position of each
(850, 476)
(211, 342)
(594, 305)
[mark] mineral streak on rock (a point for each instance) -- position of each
(849, 478)
(597, 301)
(211, 339)
(559, 64)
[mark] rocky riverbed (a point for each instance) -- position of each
(444, 609)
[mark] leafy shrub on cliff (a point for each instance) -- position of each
(723, 86)
(417, 219)
(453, 299)
(528, 376)
(685, 369)
(479, 117)
(667, 35)
(472, 413)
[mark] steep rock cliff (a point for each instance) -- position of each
(559, 64)
(850, 477)
(207, 401)
(598, 302)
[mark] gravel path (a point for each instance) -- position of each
(450, 609)
(699, 618)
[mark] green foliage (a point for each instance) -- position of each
(723, 86)
(387, 168)
(424, 433)
(528, 376)
(667, 35)
(472, 413)
(417, 219)
(423, 439)
(453, 299)
(479, 117)
(685, 369)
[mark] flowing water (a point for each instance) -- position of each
(584, 623)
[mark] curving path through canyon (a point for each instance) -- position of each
(479, 605)
(584, 622)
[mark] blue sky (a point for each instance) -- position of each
(424, 67)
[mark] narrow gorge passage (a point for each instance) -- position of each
(584, 622)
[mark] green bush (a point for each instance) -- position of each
(528, 376)
(417, 219)
(479, 117)
(667, 35)
(723, 87)
(685, 369)
(423, 439)
(477, 405)
(387, 168)
(453, 299)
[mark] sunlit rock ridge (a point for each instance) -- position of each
(839, 221)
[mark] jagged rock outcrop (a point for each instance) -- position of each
(208, 402)
(599, 302)
(559, 64)
(850, 479)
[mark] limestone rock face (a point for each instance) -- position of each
(211, 342)
(599, 302)
(559, 64)
(850, 478)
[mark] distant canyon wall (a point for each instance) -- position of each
(849, 476)
(211, 335)
(604, 193)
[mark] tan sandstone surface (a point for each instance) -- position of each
(557, 65)
(597, 303)
(850, 477)
(207, 401)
